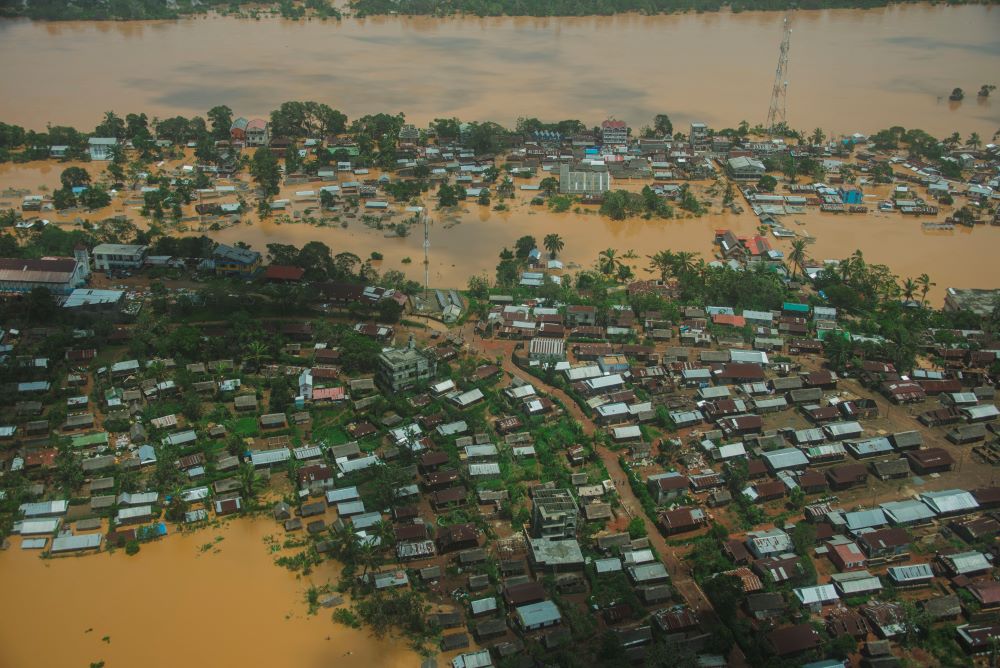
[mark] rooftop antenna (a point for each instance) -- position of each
(776, 112)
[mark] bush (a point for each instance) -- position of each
(132, 547)
(637, 528)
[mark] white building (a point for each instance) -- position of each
(101, 148)
(111, 257)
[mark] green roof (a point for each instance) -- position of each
(794, 307)
(85, 440)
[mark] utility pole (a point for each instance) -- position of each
(776, 112)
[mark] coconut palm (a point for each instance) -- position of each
(251, 484)
(663, 262)
(925, 283)
(818, 136)
(256, 351)
(553, 244)
(974, 141)
(798, 256)
(909, 289)
(954, 140)
(506, 187)
(685, 261)
(607, 261)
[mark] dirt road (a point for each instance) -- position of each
(679, 574)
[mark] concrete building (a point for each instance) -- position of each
(614, 133)
(403, 368)
(112, 257)
(101, 148)
(554, 514)
(235, 261)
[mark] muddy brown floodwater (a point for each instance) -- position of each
(850, 70)
(177, 603)
(467, 242)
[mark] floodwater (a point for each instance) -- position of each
(849, 70)
(468, 241)
(176, 603)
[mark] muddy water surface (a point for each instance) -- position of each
(850, 70)
(176, 603)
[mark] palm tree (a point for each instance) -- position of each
(156, 370)
(817, 136)
(549, 185)
(251, 484)
(553, 244)
(506, 187)
(607, 262)
(954, 140)
(798, 256)
(925, 283)
(256, 351)
(663, 262)
(909, 289)
(974, 140)
(684, 261)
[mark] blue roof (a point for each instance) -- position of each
(794, 307)
(538, 614)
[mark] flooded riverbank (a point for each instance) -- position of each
(177, 602)
(850, 70)
(467, 241)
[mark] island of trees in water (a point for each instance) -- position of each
(128, 10)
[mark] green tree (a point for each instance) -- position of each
(524, 246)
(925, 283)
(266, 172)
(447, 197)
(221, 118)
(72, 177)
(662, 125)
(608, 262)
(63, 198)
(797, 256)
(553, 244)
(549, 185)
(767, 183)
(94, 197)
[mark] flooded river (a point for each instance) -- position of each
(186, 599)
(850, 70)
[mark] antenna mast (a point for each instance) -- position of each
(427, 245)
(776, 112)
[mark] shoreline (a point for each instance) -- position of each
(724, 8)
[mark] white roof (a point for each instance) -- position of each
(949, 501)
(37, 527)
(41, 508)
(817, 594)
(623, 433)
(268, 457)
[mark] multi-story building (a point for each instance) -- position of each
(614, 133)
(101, 148)
(235, 261)
(111, 257)
(403, 368)
(60, 275)
(554, 514)
(257, 133)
